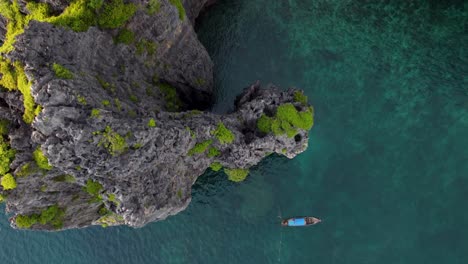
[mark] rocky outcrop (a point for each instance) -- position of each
(116, 139)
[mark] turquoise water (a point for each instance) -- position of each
(387, 166)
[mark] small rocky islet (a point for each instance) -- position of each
(103, 115)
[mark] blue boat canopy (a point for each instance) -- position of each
(297, 222)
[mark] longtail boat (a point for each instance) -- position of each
(300, 221)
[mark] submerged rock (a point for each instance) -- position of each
(114, 137)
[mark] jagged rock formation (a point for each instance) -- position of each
(114, 140)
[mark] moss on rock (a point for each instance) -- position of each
(41, 160)
(8, 182)
(224, 135)
(286, 121)
(62, 72)
(236, 175)
(200, 147)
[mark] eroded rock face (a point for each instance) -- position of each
(119, 124)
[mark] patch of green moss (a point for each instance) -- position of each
(111, 197)
(95, 113)
(200, 147)
(62, 72)
(18, 21)
(179, 194)
(78, 16)
(113, 142)
(9, 77)
(105, 103)
(64, 178)
(93, 187)
(300, 97)
(286, 121)
(180, 8)
(137, 146)
(43, 188)
(8, 182)
(52, 215)
(264, 123)
(134, 99)
(173, 102)
(14, 78)
(224, 135)
(41, 160)
(95, 4)
(7, 154)
(81, 100)
(105, 85)
(4, 124)
(154, 6)
(125, 36)
(26, 221)
(38, 110)
(146, 45)
(236, 175)
(110, 219)
(2, 198)
(27, 169)
(82, 14)
(213, 152)
(115, 13)
(24, 86)
(216, 166)
(151, 123)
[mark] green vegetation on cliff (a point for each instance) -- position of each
(171, 98)
(93, 187)
(95, 113)
(62, 72)
(78, 16)
(151, 123)
(18, 21)
(224, 135)
(236, 175)
(300, 97)
(4, 127)
(213, 152)
(180, 8)
(7, 154)
(112, 141)
(64, 178)
(8, 182)
(286, 121)
(81, 14)
(216, 166)
(52, 215)
(200, 147)
(14, 78)
(41, 160)
(153, 7)
(125, 36)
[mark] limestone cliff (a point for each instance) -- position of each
(98, 122)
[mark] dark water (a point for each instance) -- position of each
(387, 166)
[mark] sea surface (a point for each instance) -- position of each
(387, 163)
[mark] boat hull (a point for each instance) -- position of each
(300, 221)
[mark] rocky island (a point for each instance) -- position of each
(103, 115)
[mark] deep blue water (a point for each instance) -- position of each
(387, 164)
